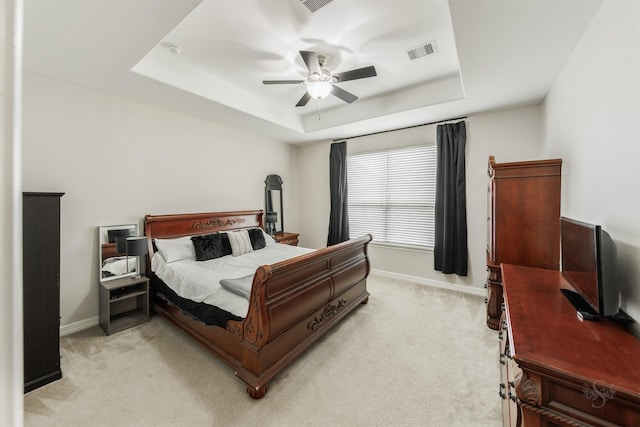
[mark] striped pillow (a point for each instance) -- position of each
(240, 242)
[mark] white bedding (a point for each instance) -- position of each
(119, 265)
(200, 280)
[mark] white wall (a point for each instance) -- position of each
(591, 120)
(510, 135)
(118, 160)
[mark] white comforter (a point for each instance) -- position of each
(200, 280)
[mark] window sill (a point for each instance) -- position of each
(422, 249)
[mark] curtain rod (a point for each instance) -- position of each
(408, 127)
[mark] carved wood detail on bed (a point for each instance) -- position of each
(178, 225)
(292, 303)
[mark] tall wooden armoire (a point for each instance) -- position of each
(523, 222)
(41, 288)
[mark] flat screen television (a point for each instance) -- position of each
(589, 266)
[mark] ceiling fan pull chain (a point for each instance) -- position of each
(318, 110)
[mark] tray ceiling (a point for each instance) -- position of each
(209, 58)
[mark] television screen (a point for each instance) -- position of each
(588, 265)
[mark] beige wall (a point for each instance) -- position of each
(118, 160)
(591, 120)
(510, 135)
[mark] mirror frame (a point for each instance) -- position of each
(274, 183)
(110, 248)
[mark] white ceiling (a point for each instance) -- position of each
(490, 54)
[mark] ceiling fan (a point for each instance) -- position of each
(320, 82)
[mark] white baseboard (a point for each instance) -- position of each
(78, 326)
(434, 283)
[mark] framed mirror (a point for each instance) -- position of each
(114, 262)
(273, 218)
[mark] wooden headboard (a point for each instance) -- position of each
(109, 251)
(172, 226)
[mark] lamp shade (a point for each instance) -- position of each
(272, 217)
(121, 245)
(137, 246)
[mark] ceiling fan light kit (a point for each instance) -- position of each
(319, 90)
(320, 83)
(319, 86)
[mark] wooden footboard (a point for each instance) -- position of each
(292, 304)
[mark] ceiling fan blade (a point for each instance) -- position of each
(303, 101)
(343, 94)
(282, 82)
(311, 61)
(360, 73)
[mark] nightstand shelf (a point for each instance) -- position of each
(122, 321)
(127, 295)
(123, 303)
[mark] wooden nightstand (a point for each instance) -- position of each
(286, 238)
(123, 303)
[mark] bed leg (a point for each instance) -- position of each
(257, 392)
(364, 301)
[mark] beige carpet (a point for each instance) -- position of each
(413, 356)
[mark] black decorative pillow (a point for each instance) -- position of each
(208, 247)
(226, 244)
(257, 239)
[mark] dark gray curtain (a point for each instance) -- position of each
(339, 216)
(450, 246)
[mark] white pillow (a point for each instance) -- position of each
(240, 242)
(120, 265)
(176, 249)
(267, 239)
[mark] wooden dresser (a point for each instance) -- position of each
(559, 370)
(41, 288)
(523, 222)
(287, 238)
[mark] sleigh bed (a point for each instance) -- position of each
(292, 303)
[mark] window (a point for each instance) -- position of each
(392, 195)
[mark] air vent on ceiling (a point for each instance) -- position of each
(422, 50)
(314, 5)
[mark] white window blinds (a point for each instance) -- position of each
(392, 195)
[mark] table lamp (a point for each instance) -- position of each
(271, 219)
(136, 246)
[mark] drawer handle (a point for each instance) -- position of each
(501, 392)
(513, 397)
